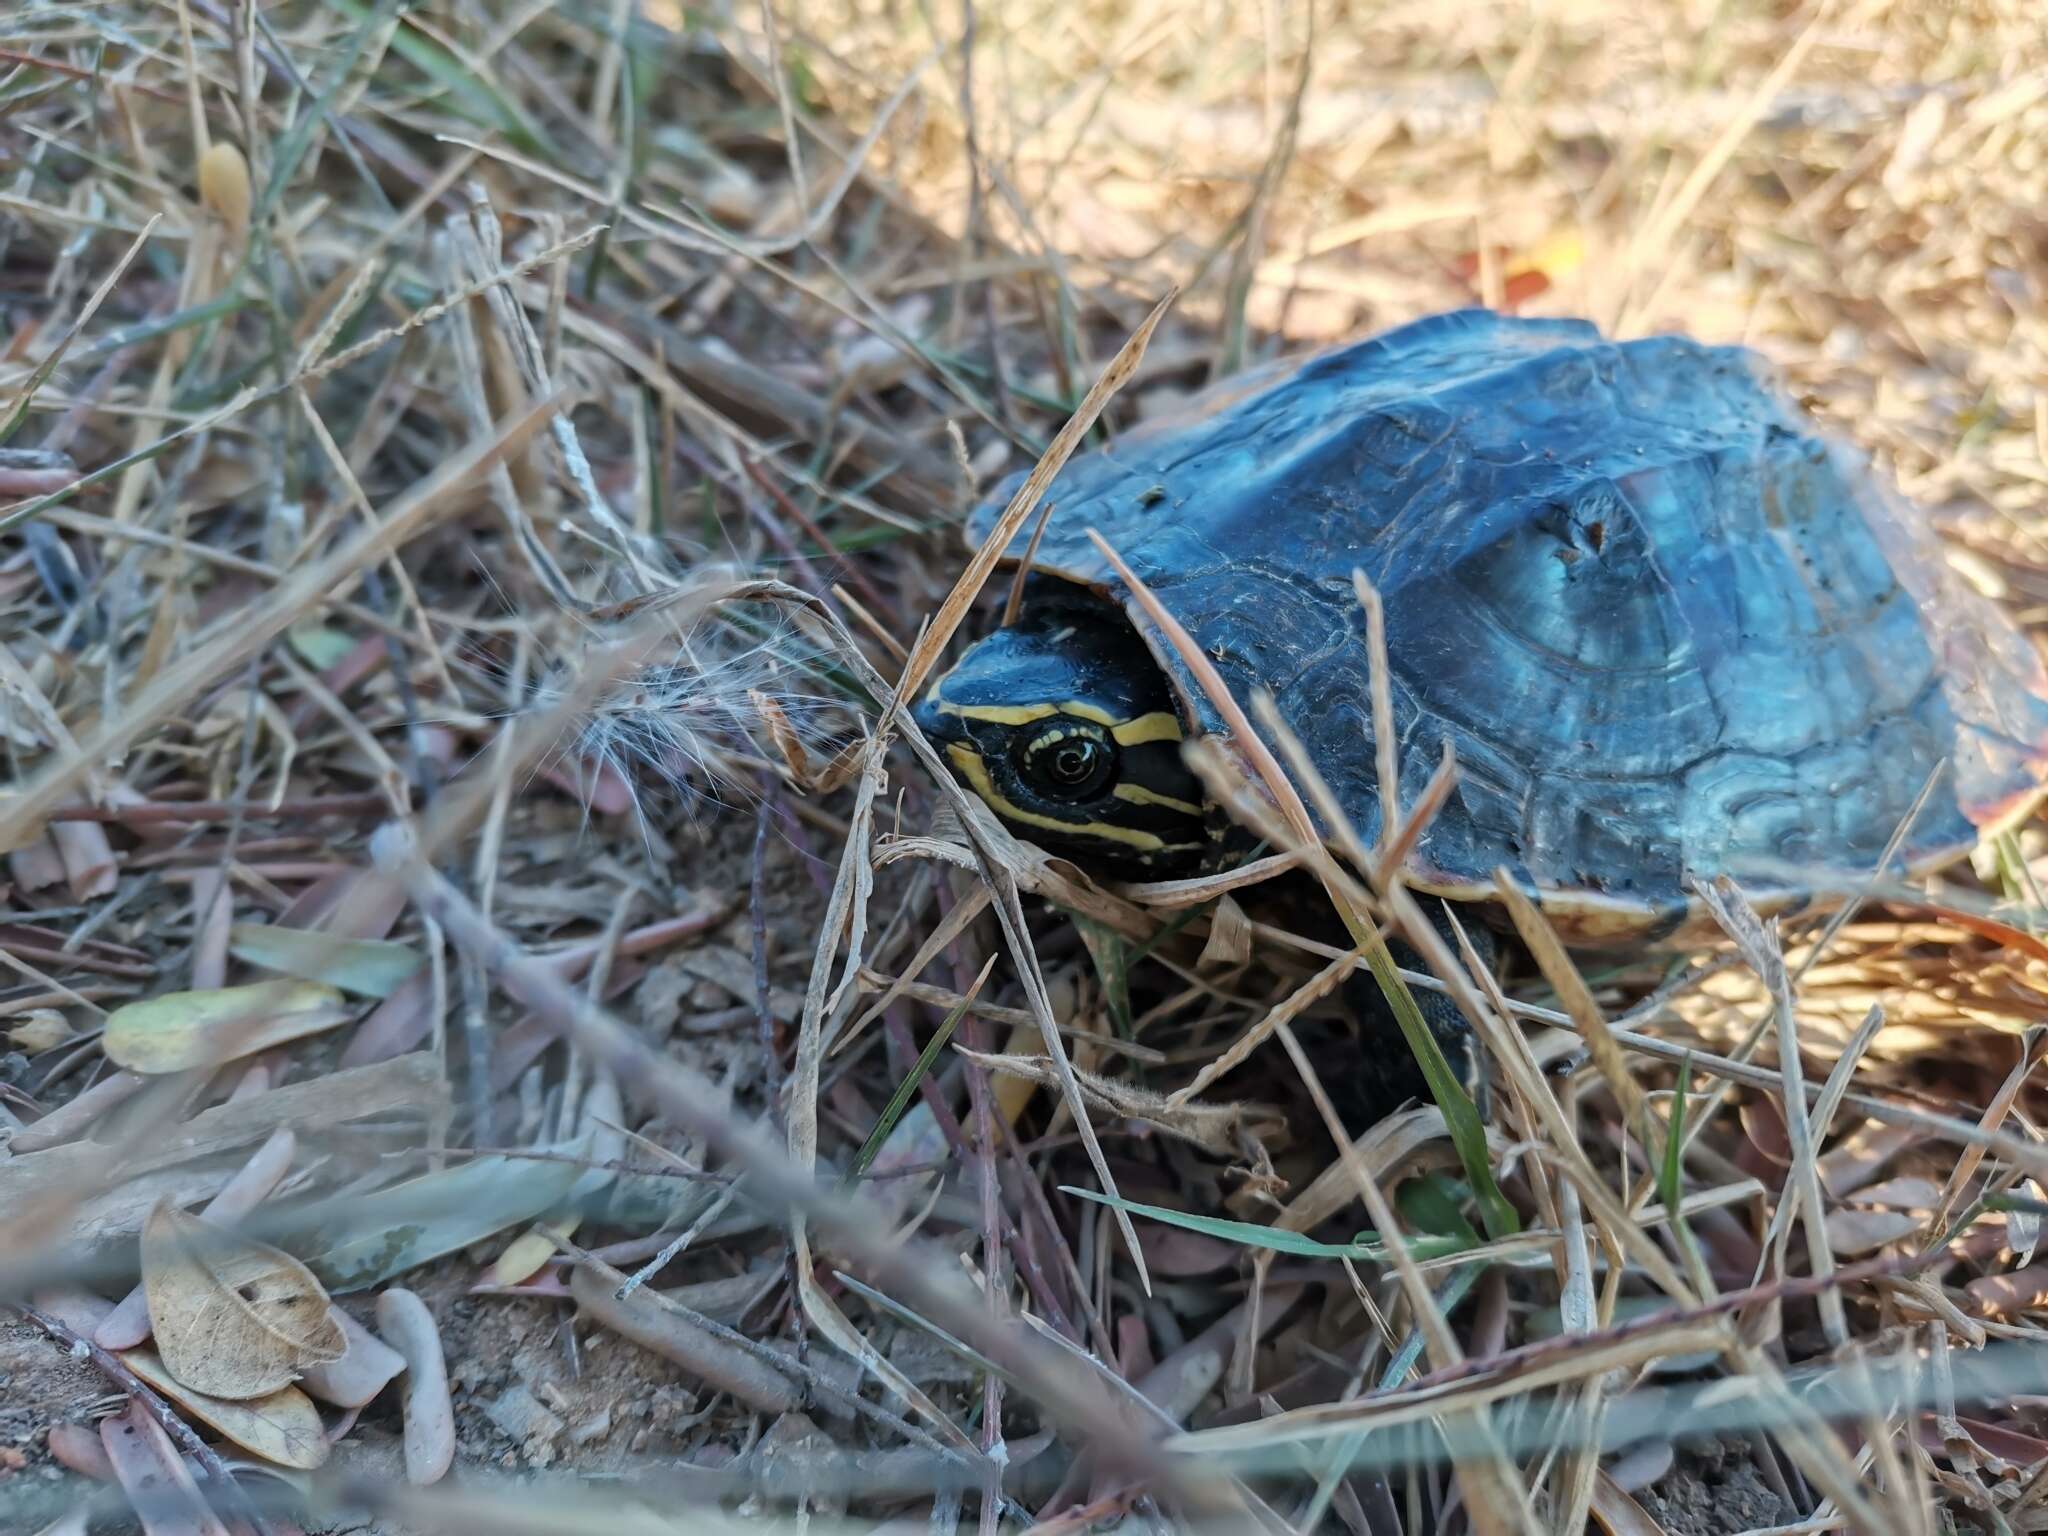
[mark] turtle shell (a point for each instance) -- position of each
(1669, 630)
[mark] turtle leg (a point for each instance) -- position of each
(1388, 1074)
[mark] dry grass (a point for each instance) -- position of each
(539, 431)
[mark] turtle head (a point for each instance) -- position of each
(1065, 727)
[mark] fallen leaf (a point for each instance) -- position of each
(155, 1477)
(362, 1371)
(38, 1030)
(232, 1317)
(2010, 1294)
(181, 1030)
(78, 1449)
(408, 1327)
(90, 867)
(320, 645)
(128, 1324)
(366, 967)
(281, 1426)
(1764, 1124)
(1853, 1233)
(1230, 935)
(527, 1253)
(1908, 1193)
(359, 1242)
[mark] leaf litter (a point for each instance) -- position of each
(546, 432)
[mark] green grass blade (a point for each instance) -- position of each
(899, 1101)
(1249, 1234)
(1461, 1115)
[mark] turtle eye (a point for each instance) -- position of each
(1069, 763)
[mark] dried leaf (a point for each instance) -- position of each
(181, 1030)
(231, 1317)
(155, 1477)
(38, 1030)
(1230, 935)
(366, 967)
(1852, 1232)
(78, 1449)
(530, 1250)
(429, 1414)
(360, 1374)
(90, 867)
(281, 1426)
(128, 1324)
(1618, 1513)
(1908, 1193)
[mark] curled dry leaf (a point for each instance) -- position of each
(128, 1324)
(181, 1030)
(232, 1317)
(532, 1249)
(90, 866)
(408, 1327)
(281, 1426)
(360, 1374)
(1618, 1514)
(35, 864)
(38, 1030)
(1230, 935)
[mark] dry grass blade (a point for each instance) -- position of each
(1572, 991)
(1468, 1390)
(279, 279)
(1298, 834)
(1233, 1055)
(251, 631)
(925, 654)
(853, 1227)
(1497, 1497)
(17, 409)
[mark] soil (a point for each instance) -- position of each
(40, 1385)
(1715, 1489)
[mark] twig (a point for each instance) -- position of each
(202, 1454)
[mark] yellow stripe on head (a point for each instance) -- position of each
(1138, 794)
(1159, 725)
(975, 772)
(997, 714)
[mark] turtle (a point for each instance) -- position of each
(1670, 629)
